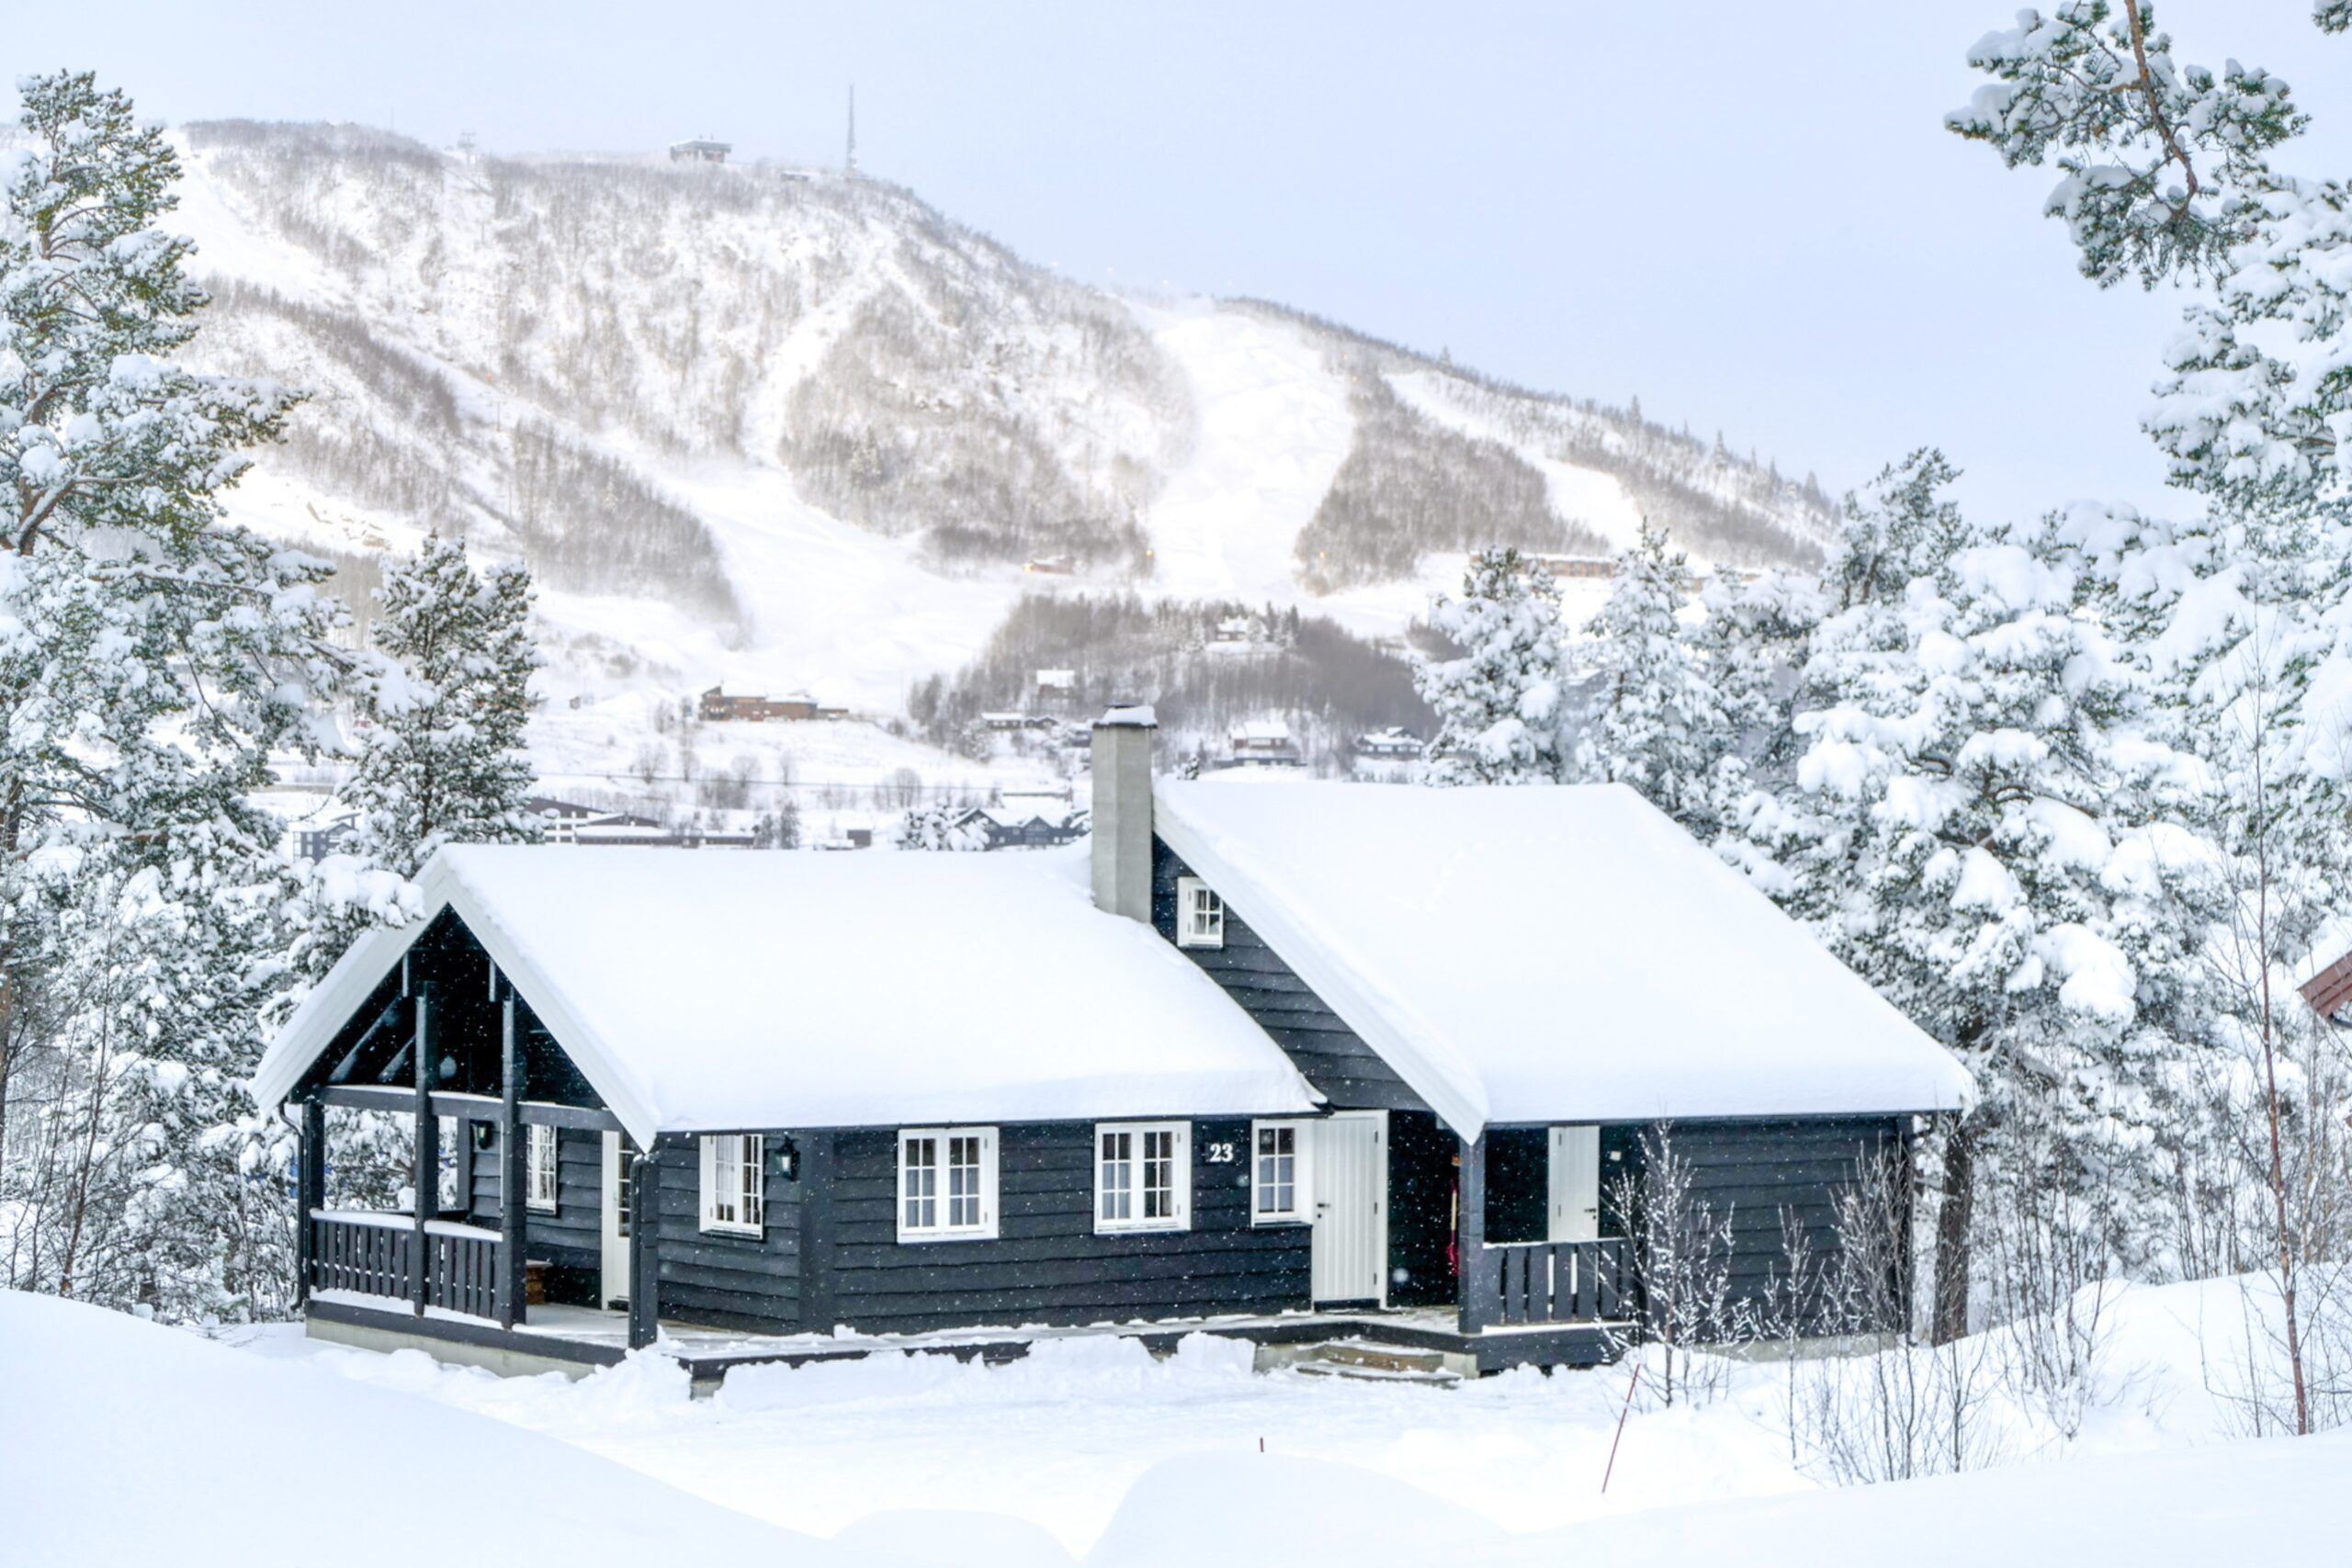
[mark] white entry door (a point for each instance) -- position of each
(1349, 1177)
(1575, 1184)
(614, 1286)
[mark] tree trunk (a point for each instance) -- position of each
(1954, 1221)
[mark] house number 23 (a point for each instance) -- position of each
(1220, 1154)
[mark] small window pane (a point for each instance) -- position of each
(1277, 1170)
(1118, 1176)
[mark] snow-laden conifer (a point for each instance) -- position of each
(2240, 620)
(1659, 720)
(153, 659)
(1500, 703)
(439, 738)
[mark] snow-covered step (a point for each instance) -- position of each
(1362, 1359)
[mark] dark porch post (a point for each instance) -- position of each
(644, 1252)
(1479, 1288)
(512, 1169)
(309, 1193)
(427, 1202)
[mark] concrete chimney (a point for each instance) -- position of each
(1121, 816)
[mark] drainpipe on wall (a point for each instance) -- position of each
(1121, 829)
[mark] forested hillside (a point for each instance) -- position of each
(784, 428)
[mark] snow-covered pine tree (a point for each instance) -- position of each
(1658, 721)
(1974, 825)
(2239, 618)
(152, 656)
(441, 753)
(1499, 705)
(1754, 639)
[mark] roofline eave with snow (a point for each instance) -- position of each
(1387, 1028)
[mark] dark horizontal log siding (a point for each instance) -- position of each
(727, 1280)
(1756, 1171)
(1330, 1054)
(573, 1236)
(1048, 1265)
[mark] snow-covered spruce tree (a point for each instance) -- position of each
(2241, 614)
(1499, 705)
(1659, 720)
(152, 658)
(1972, 826)
(439, 739)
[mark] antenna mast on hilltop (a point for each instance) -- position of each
(850, 167)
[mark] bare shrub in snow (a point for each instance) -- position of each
(1681, 1262)
(1896, 1408)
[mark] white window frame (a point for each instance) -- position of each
(940, 1199)
(1200, 914)
(1128, 1180)
(542, 1166)
(731, 1204)
(1302, 1182)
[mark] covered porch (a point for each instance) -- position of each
(437, 1258)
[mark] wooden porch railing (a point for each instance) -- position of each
(1550, 1281)
(462, 1269)
(375, 1255)
(371, 1254)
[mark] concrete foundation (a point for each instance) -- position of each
(490, 1358)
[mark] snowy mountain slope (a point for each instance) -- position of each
(786, 430)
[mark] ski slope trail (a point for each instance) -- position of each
(1274, 426)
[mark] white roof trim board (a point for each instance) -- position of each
(1545, 954)
(697, 990)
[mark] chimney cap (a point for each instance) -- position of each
(1128, 715)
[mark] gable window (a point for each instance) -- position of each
(540, 1167)
(1200, 914)
(1277, 1173)
(734, 1198)
(947, 1183)
(1143, 1176)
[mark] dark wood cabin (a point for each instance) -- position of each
(1239, 1090)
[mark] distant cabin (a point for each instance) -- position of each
(1264, 742)
(698, 150)
(330, 838)
(1055, 683)
(1021, 822)
(1303, 1063)
(1392, 743)
(1562, 568)
(715, 707)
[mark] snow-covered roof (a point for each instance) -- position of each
(1549, 954)
(702, 990)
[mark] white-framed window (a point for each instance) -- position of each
(947, 1183)
(1278, 1173)
(1200, 914)
(539, 1166)
(1143, 1176)
(734, 1196)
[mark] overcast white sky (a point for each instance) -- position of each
(1746, 214)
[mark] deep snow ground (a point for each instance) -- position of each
(1061, 1440)
(123, 1442)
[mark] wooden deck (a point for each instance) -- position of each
(586, 1338)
